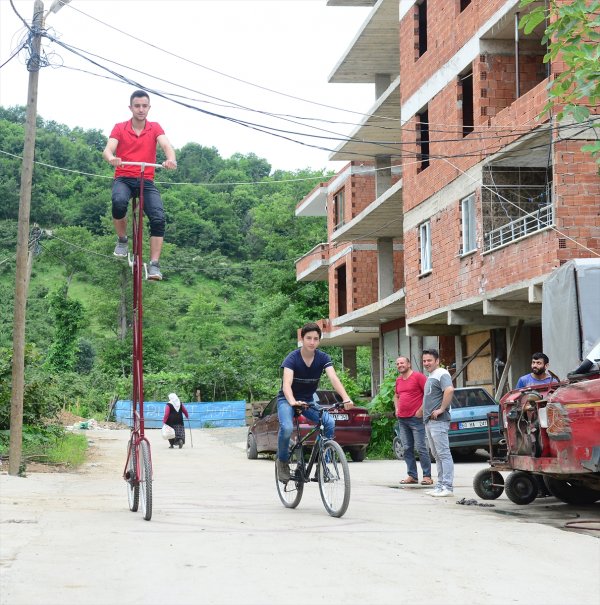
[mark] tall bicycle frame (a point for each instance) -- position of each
(331, 472)
(138, 466)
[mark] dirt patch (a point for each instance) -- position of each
(66, 418)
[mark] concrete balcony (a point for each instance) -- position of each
(315, 203)
(375, 48)
(350, 2)
(370, 317)
(347, 336)
(314, 265)
(383, 218)
(499, 308)
(378, 133)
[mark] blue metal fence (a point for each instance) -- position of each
(202, 414)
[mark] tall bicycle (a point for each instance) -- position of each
(138, 466)
(329, 461)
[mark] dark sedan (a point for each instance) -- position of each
(352, 428)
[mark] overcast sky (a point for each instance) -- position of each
(288, 46)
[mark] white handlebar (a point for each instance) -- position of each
(142, 164)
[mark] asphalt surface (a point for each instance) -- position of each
(220, 535)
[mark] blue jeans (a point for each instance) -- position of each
(412, 434)
(124, 188)
(437, 434)
(285, 413)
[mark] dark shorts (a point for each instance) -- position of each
(125, 188)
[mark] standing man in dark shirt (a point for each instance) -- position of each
(302, 370)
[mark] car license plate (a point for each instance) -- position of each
(340, 416)
(472, 424)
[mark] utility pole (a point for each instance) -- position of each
(22, 273)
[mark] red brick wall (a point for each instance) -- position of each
(454, 278)
(448, 30)
(577, 191)
(359, 192)
(361, 281)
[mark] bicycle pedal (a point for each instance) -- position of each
(315, 479)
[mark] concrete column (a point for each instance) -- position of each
(349, 360)
(459, 356)
(382, 82)
(521, 356)
(385, 267)
(383, 176)
(376, 369)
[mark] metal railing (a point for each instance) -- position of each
(519, 228)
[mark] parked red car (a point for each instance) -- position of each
(352, 428)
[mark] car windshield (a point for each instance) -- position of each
(328, 397)
(470, 398)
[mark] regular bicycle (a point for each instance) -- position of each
(329, 461)
(138, 471)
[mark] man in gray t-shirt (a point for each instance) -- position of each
(436, 415)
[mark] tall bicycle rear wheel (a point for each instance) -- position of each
(334, 479)
(146, 480)
(133, 486)
(290, 493)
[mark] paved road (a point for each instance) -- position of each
(220, 535)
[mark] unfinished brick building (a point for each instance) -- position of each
(458, 201)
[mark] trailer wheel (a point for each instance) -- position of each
(521, 487)
(571, 493)
(488, 484)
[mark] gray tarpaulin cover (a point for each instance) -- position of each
(571, 313)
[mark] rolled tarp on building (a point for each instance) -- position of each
(203, 414)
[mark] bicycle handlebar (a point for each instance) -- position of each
(317, 407)
(142, 164)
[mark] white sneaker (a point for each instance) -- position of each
(443, 493)
(435, 490)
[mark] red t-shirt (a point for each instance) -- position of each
(410, 394)
(134, 148)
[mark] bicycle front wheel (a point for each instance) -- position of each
(290, 493)
(334, 479)
(133, 486)
(146, 480)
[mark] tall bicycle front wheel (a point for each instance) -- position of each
(145, 480)
(290, 493)
(334, 478)
(133, 486)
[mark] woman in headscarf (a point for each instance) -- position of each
(174, 411)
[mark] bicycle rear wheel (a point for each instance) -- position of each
(290, 493)
(334, 479)
(133, 487)
(146, 480)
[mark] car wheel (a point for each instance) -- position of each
(358, 454)
(398, 449)
(251, 451)
(521, 487)
(488, 484)
(570, 493)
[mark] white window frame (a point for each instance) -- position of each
(469, 224)
(425, 244)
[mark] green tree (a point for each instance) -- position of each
(69, 318)
(572, 35)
